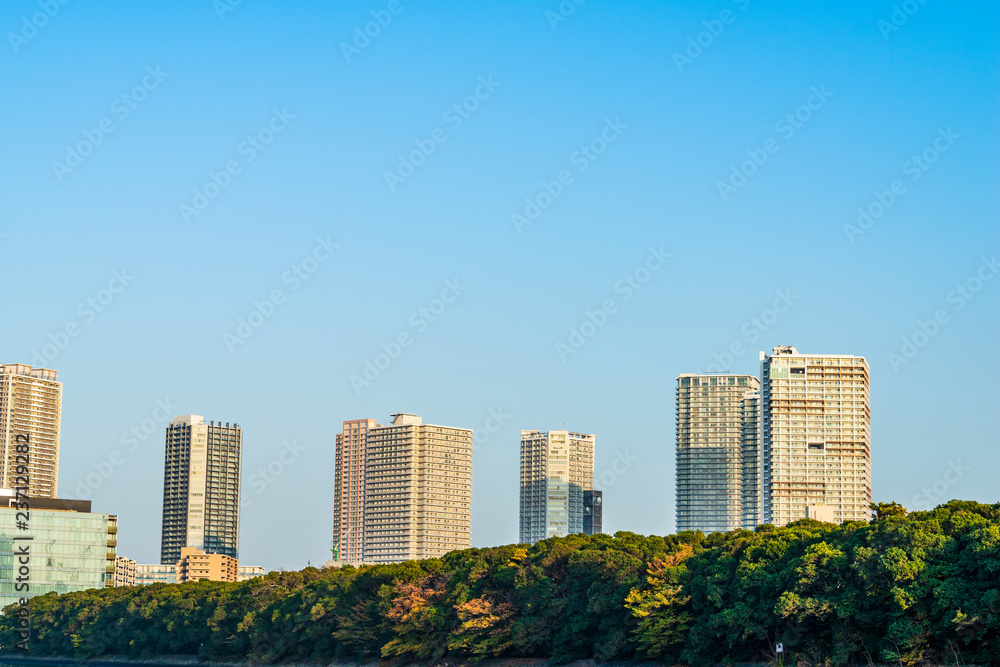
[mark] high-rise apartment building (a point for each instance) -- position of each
(418, 490)
(556, 468)
(815, 436)
(750, 407)
(713, 452)
(30, 410)
(201, 488)
(349, 492)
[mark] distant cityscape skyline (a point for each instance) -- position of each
(251, 222)
(748, 452)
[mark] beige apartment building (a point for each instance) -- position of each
(557, 467)
(418, 490)
(815, 436)
(349, 492)
(196, 565)
(717, 452)
(30, 409)
(201, 488)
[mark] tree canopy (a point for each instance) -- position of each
(906, 587)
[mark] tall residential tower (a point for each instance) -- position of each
(30, 409)
(349, 492)
(815, 436)
(557, 467)
(418, 490)
(201, 488)
(716, 452)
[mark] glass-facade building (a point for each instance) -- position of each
(717, 452)
(155, 574)
(593, 512)
(752, 489)
(70, 548)
(557, 467)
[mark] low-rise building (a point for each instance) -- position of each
(124, 571)
(244, 572)
(67, 547)
(196, 565)
(155, 574)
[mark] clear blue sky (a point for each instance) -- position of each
(675, 130)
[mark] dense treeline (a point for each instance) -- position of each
(905, 588)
